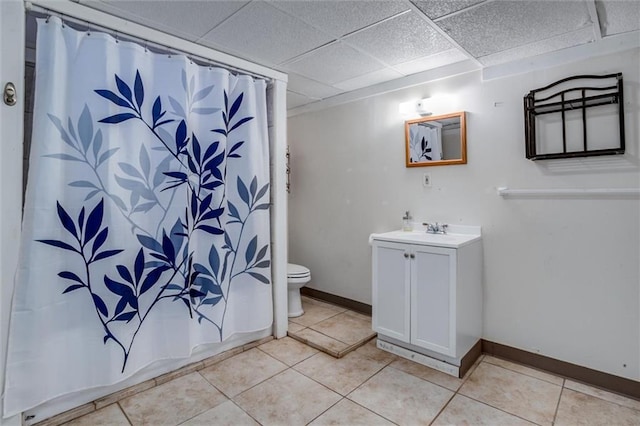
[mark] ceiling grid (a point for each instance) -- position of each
(333, 47)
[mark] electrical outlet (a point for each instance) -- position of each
(426, 180)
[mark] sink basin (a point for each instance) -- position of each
(450, 239)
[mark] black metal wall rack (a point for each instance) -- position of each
(604, 90)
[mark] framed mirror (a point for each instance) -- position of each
(436, 140)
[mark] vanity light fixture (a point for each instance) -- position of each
(415, 108)
(439, 103)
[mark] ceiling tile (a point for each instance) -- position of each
(435, 9)
(260, 32)
(562, 41)
(618, 16)
(310, 88)
(295, 100)
(400, 39)
(185, 18)
(430, 62)
(334, 63)
(502, 25)
(370, 79)
(341, 17)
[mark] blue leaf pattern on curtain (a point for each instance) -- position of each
(163, 218)
(173, 275)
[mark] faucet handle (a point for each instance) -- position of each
(432, 228)
(436, 228)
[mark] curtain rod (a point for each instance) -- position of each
(143, 42)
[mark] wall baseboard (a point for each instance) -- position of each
(337, 300)
(606, 381)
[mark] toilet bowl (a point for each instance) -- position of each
(297, 277)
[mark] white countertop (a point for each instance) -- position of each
(456, 236)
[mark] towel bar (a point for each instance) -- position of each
(568, 192)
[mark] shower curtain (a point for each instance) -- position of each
(146, 221)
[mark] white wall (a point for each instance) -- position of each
(561, 275)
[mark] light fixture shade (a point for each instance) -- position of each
(440, 103)
(423, 107)
(415, 108)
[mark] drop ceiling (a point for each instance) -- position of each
(331, 47)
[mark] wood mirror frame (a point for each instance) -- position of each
(425, 150)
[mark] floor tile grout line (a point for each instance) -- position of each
(214, 386)
(497, 408)
(297, 362)
(126, 416)
(328, 408)
(344, 396)
(423, 379)
(350, 346)
(564, 380)
(326, 335)
(348, 393)
(555, 414)
(454, 392)
(318, 322)
(319, 302)
(244, 411)
(486, 403)
(362, 384)
(370, 410)
(443, 407)
(321, 384)
(457, 392)
(527, 374)
(253, 386)
(564, 386)
(210, 408)
(335, 338)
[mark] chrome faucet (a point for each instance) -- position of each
(436, 228)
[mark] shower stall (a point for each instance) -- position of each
(175, 261)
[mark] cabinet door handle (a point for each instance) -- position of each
(406, 255)
(413, 256)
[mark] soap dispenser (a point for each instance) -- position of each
(406, 222)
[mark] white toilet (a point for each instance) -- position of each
(297, 277)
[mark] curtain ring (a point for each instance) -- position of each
(145, 46)
(47, 20)
(116, 37)
(88, 29)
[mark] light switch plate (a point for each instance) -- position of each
(426, 180)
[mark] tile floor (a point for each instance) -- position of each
(285, 382)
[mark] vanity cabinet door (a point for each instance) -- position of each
(433, 295)
(391, 301)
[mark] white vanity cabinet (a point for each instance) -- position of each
(427, 296)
